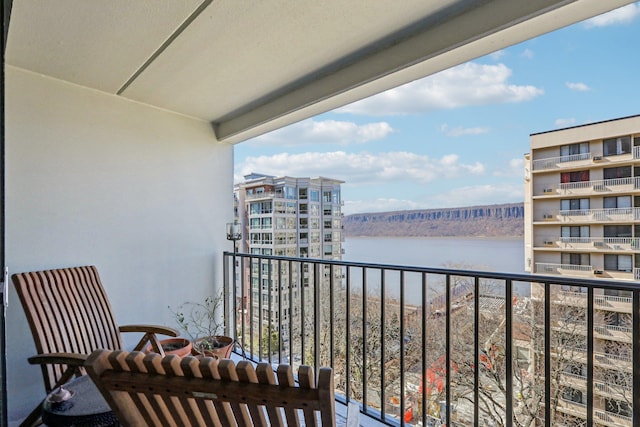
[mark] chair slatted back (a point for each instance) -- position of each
(149, 390)
(68, 312)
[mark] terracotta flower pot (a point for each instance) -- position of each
(179, 346)
(222, 349)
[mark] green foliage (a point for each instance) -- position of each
(201, 321)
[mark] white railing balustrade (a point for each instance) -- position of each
(552, 162)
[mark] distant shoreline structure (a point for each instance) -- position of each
(500, 220)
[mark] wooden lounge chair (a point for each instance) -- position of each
(70, 316)
(149, 390)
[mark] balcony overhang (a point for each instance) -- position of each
(252, 67)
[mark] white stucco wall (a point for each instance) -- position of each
(141, 193)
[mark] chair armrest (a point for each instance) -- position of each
(74, 362)
(150, 329)
(149, 337)
(71, 359)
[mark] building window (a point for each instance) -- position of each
(618, 263)
(314, 195)
(326, 196)
(578, 176)
(617, 231)
(572, 395)
(620, 172)
(574, 204)
(260, 208)
(575, 259)
(616, 202)
(289, 192)
(302, 193)
(619, 407)
(616, 146)
(575, 233)
(573, 149)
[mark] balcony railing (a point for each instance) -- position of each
(593, 215)
(599, 185)
(594, 243)
(552, 268)
(419, 346)
(554, 162)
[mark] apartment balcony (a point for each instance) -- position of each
(562, 162)
(263, 195)
(602, 186)
(582, 160)
(601, 331)
(602, 418)
(412, 346)
(601, 388)
(592, 244)
(592, 215)
(563, 269)
(614, 420)
(601, 302)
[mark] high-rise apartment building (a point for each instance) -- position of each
(582, 201)
(582, 219)
(297, 217)
(286, 216)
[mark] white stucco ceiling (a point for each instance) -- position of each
(250, 66)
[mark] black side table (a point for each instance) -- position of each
(85, 408)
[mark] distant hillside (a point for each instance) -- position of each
(505, 220)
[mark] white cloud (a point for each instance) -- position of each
(515, 167)
(464, 85)
(460, 131)
(326, 131)
(565, 122)
(478, 195)
(361, 168)
(623, 15)
(527, 53)
(380, 205)
(578, 86)
(498, 54)
(457, 197)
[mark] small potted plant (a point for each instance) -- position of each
(178, 346)
(202, 322)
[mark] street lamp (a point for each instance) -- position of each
(234, 233)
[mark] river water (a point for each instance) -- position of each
(486, 254)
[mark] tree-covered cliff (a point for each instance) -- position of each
(506, 220)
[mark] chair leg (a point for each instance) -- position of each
(34, 417)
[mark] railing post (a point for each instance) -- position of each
(508, 351)
(476, 351)
(364, 336)
(547, 354)
(636, 354)
(590, 308)
(448, 348)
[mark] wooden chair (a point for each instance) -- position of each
(149, 390)
(70, 316)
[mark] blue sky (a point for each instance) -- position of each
(457, 138)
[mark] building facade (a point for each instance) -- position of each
(582, 219)
(285, 216)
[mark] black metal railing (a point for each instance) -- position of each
(435, 346)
